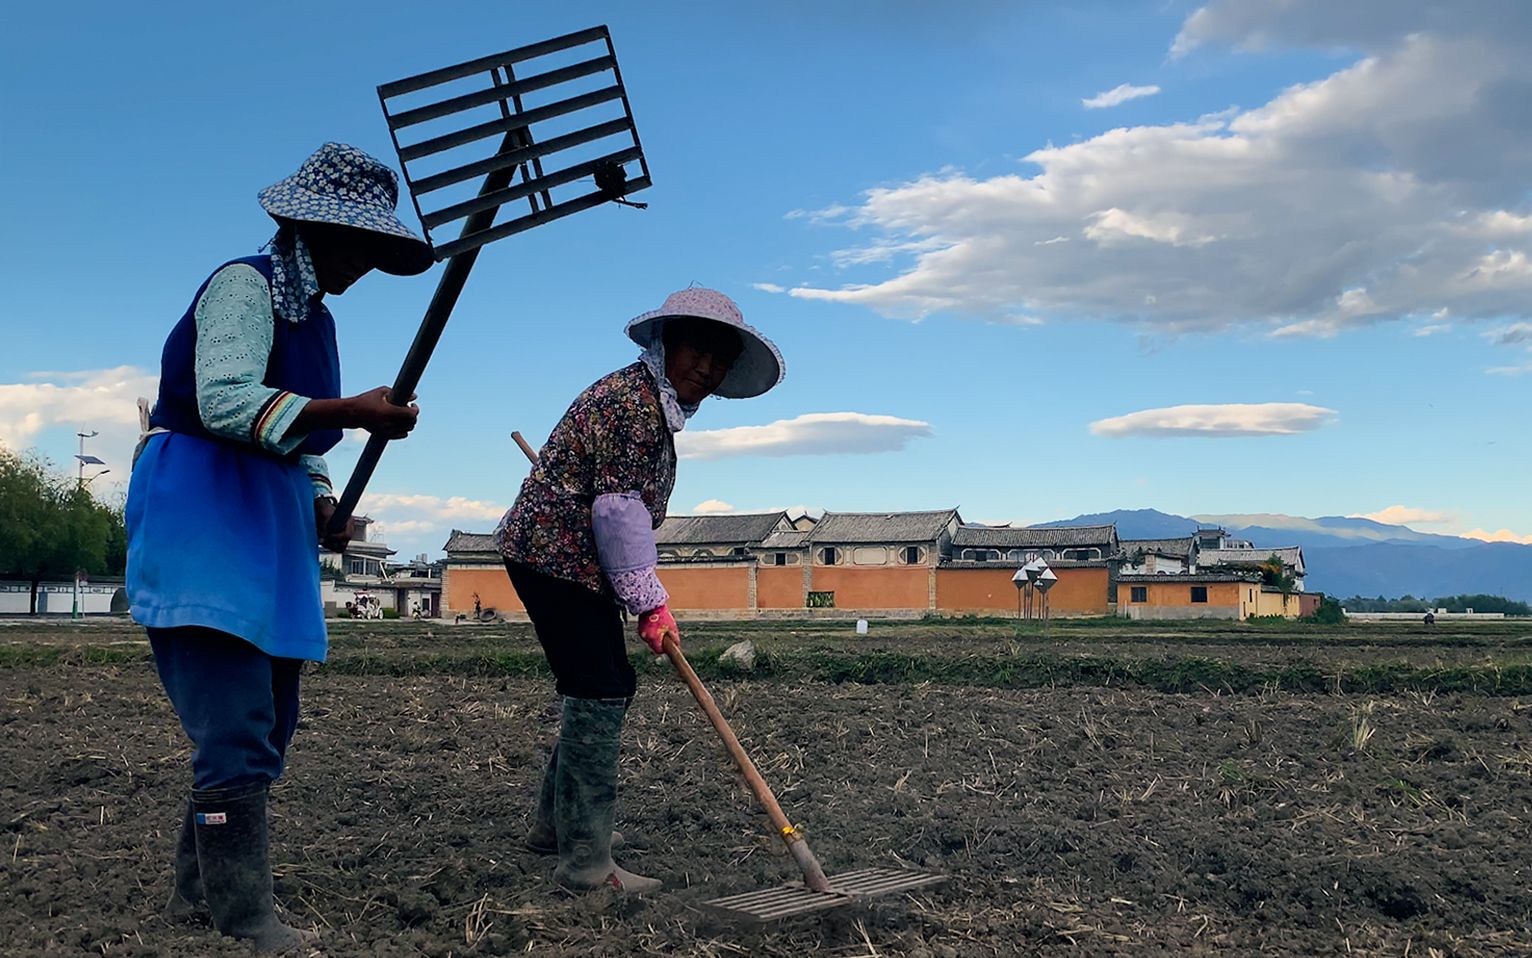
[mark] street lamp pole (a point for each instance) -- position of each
(81, 483)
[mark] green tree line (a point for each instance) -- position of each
(1452, 603)
(51, 527)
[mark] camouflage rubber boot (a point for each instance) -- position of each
(544, 837)
(585, 797)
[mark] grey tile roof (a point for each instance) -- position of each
(741, 529)
(893, 527)
(1193, 578)
(470, 542)
(1181, 548)
(1051, 537)
(785, 540)
(952, 562)
(1290, 555)
(668, 560)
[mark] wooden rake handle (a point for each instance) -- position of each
(813, 875)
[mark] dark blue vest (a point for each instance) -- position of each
(304, 360)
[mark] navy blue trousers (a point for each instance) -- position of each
(580, 632)
(238, 705)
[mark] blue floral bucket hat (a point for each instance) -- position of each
(759, 366)
(342, 185)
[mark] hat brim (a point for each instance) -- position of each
(395, 247)
(757, 370)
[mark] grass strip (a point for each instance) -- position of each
(1179, 674)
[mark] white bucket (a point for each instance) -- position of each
(861, 626)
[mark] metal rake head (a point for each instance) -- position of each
(555, 111)
(795, 898)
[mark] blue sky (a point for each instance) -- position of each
(1310, 226)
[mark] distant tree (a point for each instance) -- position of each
(1452, 603)
(1274, 573)
(1483, 603)
(51, 527)
(1328, 613)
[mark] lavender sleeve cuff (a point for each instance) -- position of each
(624, 533)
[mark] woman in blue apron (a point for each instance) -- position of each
(230, 499)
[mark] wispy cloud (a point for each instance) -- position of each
(824, 433)
(449, 509)
(414, 522)
(1510, 335)
(1518, 370)
(768, 287)
(712, 507)
(90, 397)
(98, 400)
(1407, 516)
(829, 214)
(1502, 535)
(1121, 93)
(1217, 421)
(1307, 214)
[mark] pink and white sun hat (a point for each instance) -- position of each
(759, 366)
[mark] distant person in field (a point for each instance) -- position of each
(579, 548)
(230, 499)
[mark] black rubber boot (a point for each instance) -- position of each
(186, 897)
(585, 797)
(232, 852)
(544, 836)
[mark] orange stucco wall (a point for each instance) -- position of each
(896, 587)
(1172, 600)
(1078, 591)
(492, 584)
(1179, 593)
(1275, 603)
(779, 587)
(726, 587)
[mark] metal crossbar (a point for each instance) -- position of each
(575, 149)
(582, 131)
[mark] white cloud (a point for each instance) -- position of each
(1510, 335)
(1121, 93)
(1407, 516)
(93, 398)
(826, 215)
(712, 507)
(1114, 225)
(412, 522)
(824, 433)
(1323, 24)
(1502, 535)
(1216, 421)
(450, 509)
(1431, 329)
(98, 400)
(768, 287)
(1392, 188)
(1518, 370)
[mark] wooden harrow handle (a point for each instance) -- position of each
(526, 448)
(813, 875)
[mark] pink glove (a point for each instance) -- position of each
(654, 625)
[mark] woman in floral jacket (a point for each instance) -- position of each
(579, 548)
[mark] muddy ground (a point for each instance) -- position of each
(1071, 820)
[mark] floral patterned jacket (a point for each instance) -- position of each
(612, 450)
